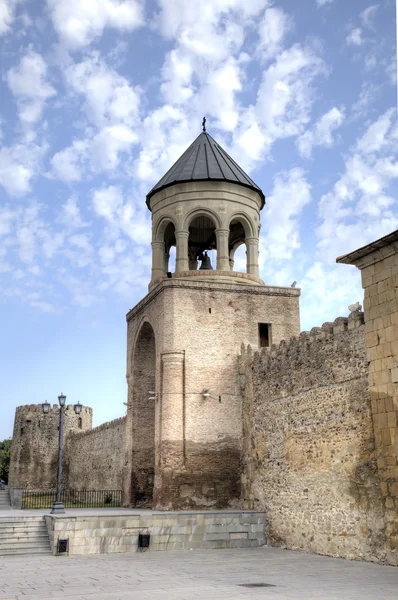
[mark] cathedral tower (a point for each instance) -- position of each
(184, 422)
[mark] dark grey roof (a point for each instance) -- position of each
(205, 160)
(352, 257)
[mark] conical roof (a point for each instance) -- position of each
(205, 160)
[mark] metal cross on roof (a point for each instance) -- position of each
(204, 123)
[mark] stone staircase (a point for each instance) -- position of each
(5, 503)
(23, 536)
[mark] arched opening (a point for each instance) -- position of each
(202, 243)
(237, 246)
(238, 258)
(170, 248)
(143, 407)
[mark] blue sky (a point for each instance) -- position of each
(98, 99)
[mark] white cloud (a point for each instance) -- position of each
(68, 165)
(109, 143)
(71, 216)
(79, 22)
(368, 14)
(354, 38)
(112, 106)
(323, 2)
(109, 97)
(7, 15)
(367, 95)
(360, 206)
(107, 202)
(272, 30)
(284, 99)
(28, 82)
(211, 29)
(321, 133)
(122, 215)
(375, 138)
(177, 74)
(18, 165)
(280, 235)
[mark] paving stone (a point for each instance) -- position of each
(196, 575)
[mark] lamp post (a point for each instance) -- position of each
(58, 507)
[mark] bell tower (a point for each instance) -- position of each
(184, 422)
(205, 202)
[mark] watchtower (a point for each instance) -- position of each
(184, 422)
(34, 449)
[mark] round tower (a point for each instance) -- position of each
(34, 449)
(205, 202)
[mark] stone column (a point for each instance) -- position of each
(157, 260)
(172, 429)
(222, 236)
(252, 256)
(182, 251)
(166, 257)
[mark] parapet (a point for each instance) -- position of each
(107, 425)
(38, 408)
(337, 350)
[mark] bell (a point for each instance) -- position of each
(206, 264)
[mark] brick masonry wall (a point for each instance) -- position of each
(198, 329)
(380, 281)
(34, 450)
(308, 454)
(95, 458)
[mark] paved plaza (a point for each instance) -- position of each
(206, 575)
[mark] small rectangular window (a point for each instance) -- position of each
(264, 335)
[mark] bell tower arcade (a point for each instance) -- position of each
(184, 422)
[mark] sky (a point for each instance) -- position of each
(98, 98)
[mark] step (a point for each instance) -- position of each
(22, 527)
(24, 544)
(10, 521)
(24, 536)
(25, 551)
(9, 537)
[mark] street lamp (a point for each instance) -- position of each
(58, 507)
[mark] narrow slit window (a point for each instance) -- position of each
(264, 334)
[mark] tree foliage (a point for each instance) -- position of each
(5, 453)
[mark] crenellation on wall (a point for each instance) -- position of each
(94, 430)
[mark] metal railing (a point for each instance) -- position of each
(72, 498)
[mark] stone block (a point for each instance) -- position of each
(211, 537)
(238, 535)
(392, 419)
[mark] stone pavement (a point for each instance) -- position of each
(199, 575)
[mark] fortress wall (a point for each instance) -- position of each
(308, 445)
(34, 449)
(95, 458)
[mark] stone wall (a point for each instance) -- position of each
(171, 531)
(94, 459)
(308, 445)
(34, 449)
